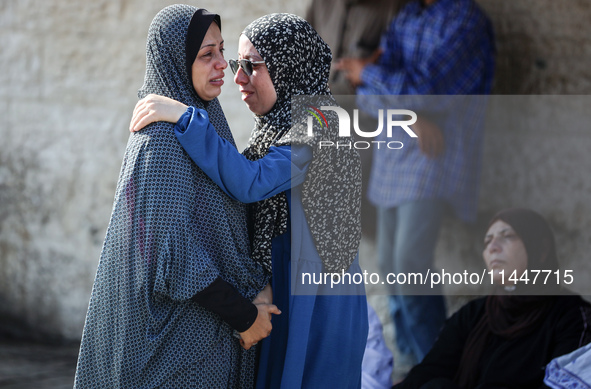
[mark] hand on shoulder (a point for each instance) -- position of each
(155, 108)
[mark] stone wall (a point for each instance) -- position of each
(70, 72)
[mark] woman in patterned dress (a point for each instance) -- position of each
(305, 200)
(175, 280)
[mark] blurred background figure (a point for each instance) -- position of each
(432, 47)
(352, 28)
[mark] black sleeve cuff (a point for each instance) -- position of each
(223, 299)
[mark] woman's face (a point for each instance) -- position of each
(208, 69)
(504, 250)
(257, 90)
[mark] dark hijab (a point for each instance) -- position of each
(200, 23)
(513, 314)
(298, 61)
(536, 235)
(171, 234)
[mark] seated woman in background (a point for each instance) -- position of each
(506, 339)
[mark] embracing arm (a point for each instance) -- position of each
(155, 108)
(251, 319)
(223, 299)
(242, 179)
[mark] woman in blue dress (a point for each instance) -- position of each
(304, 201)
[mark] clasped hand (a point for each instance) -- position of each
(262, 326)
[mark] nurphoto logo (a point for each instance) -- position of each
(402, 118)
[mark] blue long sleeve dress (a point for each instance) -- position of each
(319, 338)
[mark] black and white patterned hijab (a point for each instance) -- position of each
(299, 61)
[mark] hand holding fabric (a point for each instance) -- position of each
(262, 326)
(155, 108)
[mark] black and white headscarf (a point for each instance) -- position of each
(298, 61)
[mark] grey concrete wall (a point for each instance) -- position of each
(69, 75)
(544, 46)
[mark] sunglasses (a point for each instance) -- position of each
(244, 64)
